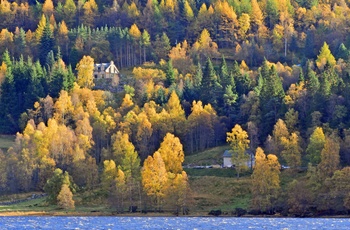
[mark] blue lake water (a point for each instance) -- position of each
(131, 223)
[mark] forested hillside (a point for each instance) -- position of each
(268, 76)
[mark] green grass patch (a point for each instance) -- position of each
(30, 205)
(220, 193)
(208, 157)
(7, 141)
(220, 172)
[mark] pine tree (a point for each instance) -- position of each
(47, 43)
(210, 87)
(169, 74)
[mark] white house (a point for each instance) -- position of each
(106, 76)
(105, 70)
(227, 162)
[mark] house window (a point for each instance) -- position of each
(99, 68)
(95, 75)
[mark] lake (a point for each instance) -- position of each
(131, 223)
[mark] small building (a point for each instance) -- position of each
(105, 70)
(227, 161)
(106, 76)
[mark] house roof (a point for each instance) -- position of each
(108, 67)
(227, 154)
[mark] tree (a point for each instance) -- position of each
(324, 57)
(329, 158)
(65, 198)
(176, 113)
(48, 8)
(154, 178)
(244, 25)
(265, 181)
(146, 41)
(109, 174)
(172, 153)
(169, 74)
(256, 16)
(279, 130)
(291, 152)
(47, 43)
(316, 144)
(53, 186)
(239, 142)
(161, 46)
(210, 86)
(41, 26)
(85, 70)
(69, 10)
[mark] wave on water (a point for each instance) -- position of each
(186, 223)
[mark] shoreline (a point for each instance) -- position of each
(110, 214)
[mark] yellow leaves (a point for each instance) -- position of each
(239, 142)
(204, 39)
(6, 36)
(325, 56)
(85, 69)
(63, 107)
(265, 179)
(256, 15)
(148, 74)
(135, 32)
(132, 10)
(292, 151)
(48, 7)
(172, 153)
(204, 45)
(244, 25)
(63, 30)
(154, 176)
(295, 92)
(39, 31)
(226, 11)
(3, 69)
(188, 11)
(109, 174)
(238, 139)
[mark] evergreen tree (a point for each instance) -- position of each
(47, 43)
(169, 74)
(210, 90)
(271, 98)
(343, 52)
(242, 81)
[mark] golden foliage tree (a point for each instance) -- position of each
(85, 70)
(48, 8)
(325, 56)
(154, 178)
(329, 158)
(265, 180)
(172, 153)
(239, 142)
(291, 150)
(316, 144)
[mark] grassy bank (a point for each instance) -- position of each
(6, 141)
